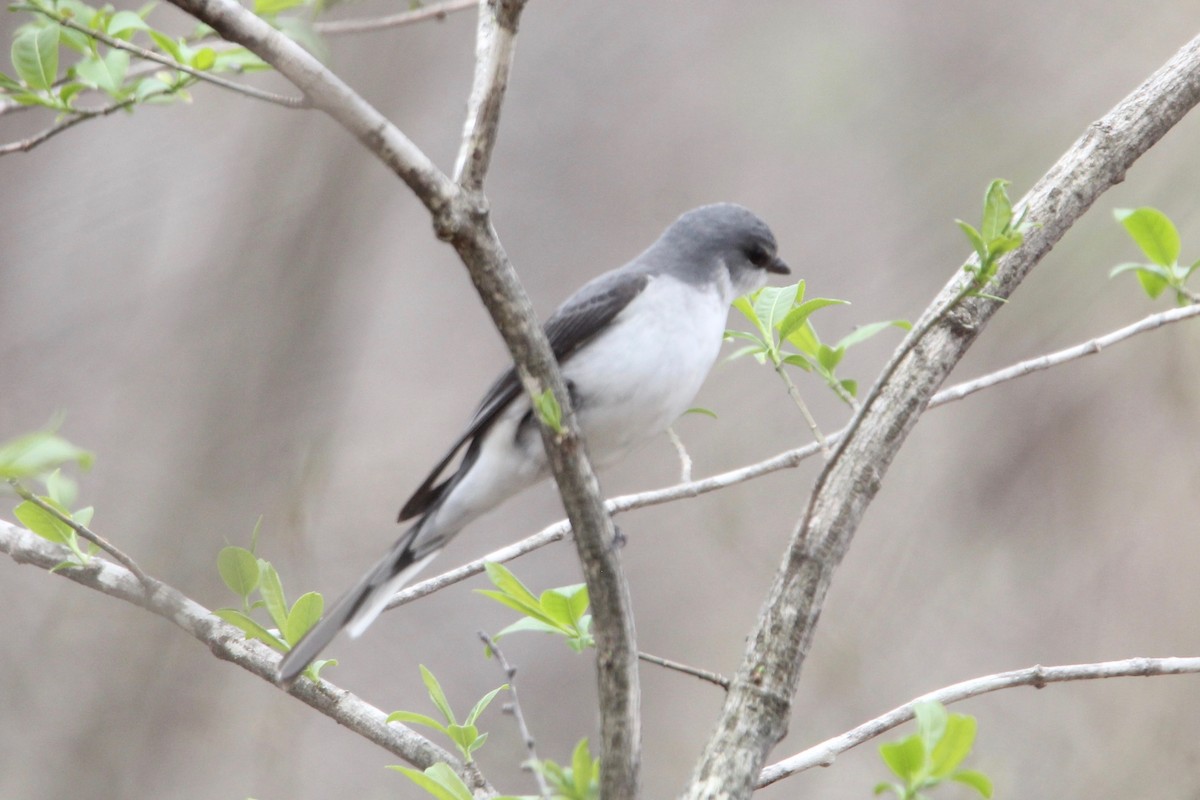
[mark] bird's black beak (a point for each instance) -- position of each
(779, 267)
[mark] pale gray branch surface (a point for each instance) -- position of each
(226, 642)
(436, 11)
(823, 754)
(788, 459)
(460, 217)
(757, 708)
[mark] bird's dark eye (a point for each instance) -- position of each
(758, 255)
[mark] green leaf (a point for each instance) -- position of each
(829, 357)
(1153, 231)
(578, 596)
(61, 489)
(885, 786)
(850, 386)
(549, 411)
(483, 704)
(1152, 283)
(239, 570)
(508, 583)
(305, 613)
(1005, 244)
(905, 758)
(270, 588)
(67, 92)
(204, 58)
(35, 56)
(800, 314)
(477, 743)
(931, 721)
(313, 670)
(168, 45)
(413, 718)
(35, 453)
(976, 240)
(975, 779)
(439, 780)
(954, 745)
(532, 625)
(708, 412)
(462, 736)
(43, 523)
(997, 211)
(774, 302)
(437, 695)
(745, 305)
(268, 7)
(251, 628)
(534, 611)
(865, 332)
(805, 339)
(557, 607)
(106, 74)
(10, 84)
(124, 23)
(582, 769)
(241, 60)
(797, 360)
(84, 516)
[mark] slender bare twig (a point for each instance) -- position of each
(786, 460)
(150, 55)
(1088, 348)
(439, 12)
(84, 532)
(514, 708)
(27, 144)
(702, 674)
(794, 393)
(494, 40)
(823, 754)
(685, 460)
(225, 642)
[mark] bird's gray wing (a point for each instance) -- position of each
(579, 319)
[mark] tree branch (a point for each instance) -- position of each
(226, 642)
(510, 674)
(494, 40)
(439, 12)
(461, 218)
(823, 754)
(757, 707)
(786, 460)
(27, 144)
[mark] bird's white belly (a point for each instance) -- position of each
(629, 394)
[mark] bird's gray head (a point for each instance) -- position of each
(722, 242)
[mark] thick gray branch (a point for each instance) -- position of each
(226, 642)
(756, 711)
(461, 218)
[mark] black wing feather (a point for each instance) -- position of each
(573, 324)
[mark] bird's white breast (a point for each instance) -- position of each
(641, 374)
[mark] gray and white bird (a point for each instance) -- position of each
(634, 346)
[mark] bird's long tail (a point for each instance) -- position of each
(359, 607)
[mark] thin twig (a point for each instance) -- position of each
(794, 393)
(439, 12)
(227, 643)
(823, 754)
(149, 55)
(494, 44)
(514, 708)
(788, 459)
(702, 674)
(86, 533)
(25, 145)
(685, 461)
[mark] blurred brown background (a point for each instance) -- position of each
(243, 313)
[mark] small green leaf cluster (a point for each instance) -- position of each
(466, 736)
(1158, 239)
(562, 611)
(38, 456)
(932, 754)
(782, 317)
(997, 235)
(440, 780)
(549, 411)
(579, 781)
(245, 574)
